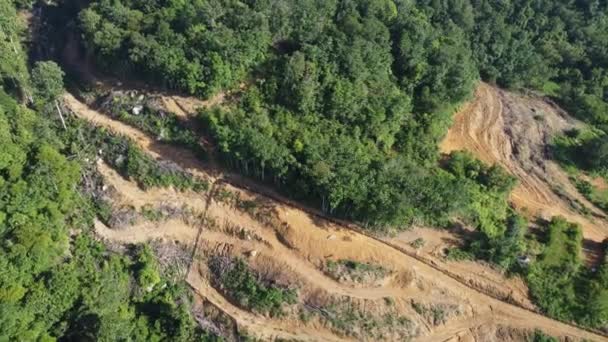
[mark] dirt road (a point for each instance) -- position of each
(315, 231)
(175, 229)
(257, 325)
(515, 132)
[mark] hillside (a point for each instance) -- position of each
(292, 245)
(516, 132)
(316, 170)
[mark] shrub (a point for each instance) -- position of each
(244, 286)
(355, 271)
(553, 280)
(418, 243)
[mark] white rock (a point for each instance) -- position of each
(120, 159)
(137, 109)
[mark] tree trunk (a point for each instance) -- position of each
(60, 115)
(13, 45)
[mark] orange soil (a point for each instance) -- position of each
(481, 127)
(311, 238)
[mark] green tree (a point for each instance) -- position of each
(47, 79)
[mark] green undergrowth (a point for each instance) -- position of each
(57, 282)
(129, 160)
(560, 283)
(313, 124)
(436, 314)
(354, 321)
(164, 125)
(539, 336)
(551, 262)
(358, 272)
(584, 149)
(596, 196)
(247, 289)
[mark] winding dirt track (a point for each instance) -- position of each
(177, 230)
(514, 132)
(256, 325)
(358, 243)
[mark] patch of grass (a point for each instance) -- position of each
(103, 210)
(550, 88)
(436, 314)
(350, 320)
(152, 214)
(574, 203)
(598, 197)
(164, 125)
(130, 161)
(554, 278)
(540, 336)
(389, 301)
(458, 254)
(305, 315)
(418, 243)
(564, 245)
(581, 150)
(150, 173)
(245, 287)
(350, 270)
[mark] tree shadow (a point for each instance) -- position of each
(83, 326)
(595, 252)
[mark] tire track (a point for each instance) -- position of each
(518, 316)
(271, 247)
(514, 131)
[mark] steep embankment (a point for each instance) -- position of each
(515, 132)
(308, 235)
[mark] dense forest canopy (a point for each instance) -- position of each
(340, 103)
(56, 280)
(343, 101)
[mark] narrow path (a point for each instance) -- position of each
(212, 191)
(176, 229)
(257, 325)
(517, 317)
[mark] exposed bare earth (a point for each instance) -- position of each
(482, 275)
(598, 182)
(296, 267)
(299, 246)
(175, 229)
(515, 132)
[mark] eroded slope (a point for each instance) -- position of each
(515, 132)
(306, 239)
